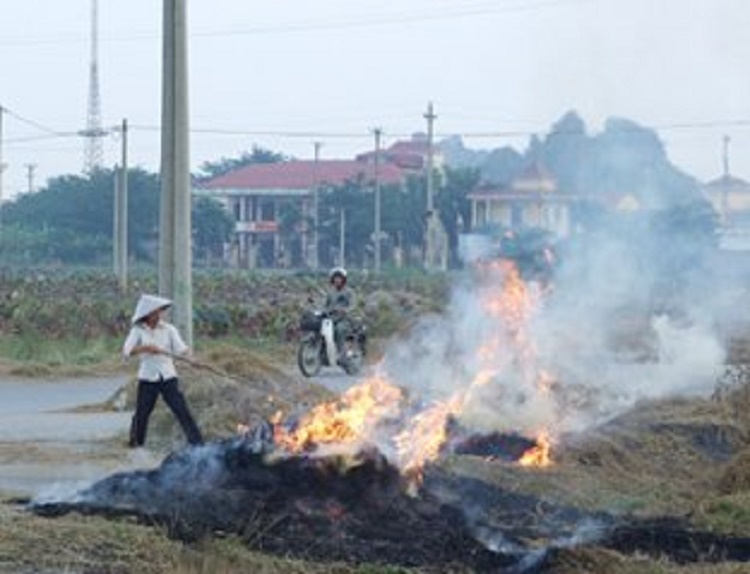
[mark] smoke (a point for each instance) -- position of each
(627, 317)
(61, 492)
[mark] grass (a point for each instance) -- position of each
(727, 514)
(650, 462)
(29, 355)
(601, 561)
(90, 544)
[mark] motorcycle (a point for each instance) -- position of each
(317, 346)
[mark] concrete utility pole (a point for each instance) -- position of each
(121, 213)
(175, 241)
(316, 209)
(430, 227)
(116, 223)
(378, 132)
(30, 169)
(2, 165)
(342, 237)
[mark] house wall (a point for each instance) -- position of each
(257, 241)
(552, 216)
(733, 201)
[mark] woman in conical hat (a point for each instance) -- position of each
(155, 342)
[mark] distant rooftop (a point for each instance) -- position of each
(303, 174)
(728, 183)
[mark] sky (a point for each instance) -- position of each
(283, 74)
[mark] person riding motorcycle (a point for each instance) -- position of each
(339, 301)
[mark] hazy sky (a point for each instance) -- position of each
(333, 69)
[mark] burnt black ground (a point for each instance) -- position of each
(336, 508)
(328, 509)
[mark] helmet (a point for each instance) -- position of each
(337, 271)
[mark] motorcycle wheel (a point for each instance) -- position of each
(353, 363)
(308, 356)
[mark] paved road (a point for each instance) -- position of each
(45, 446)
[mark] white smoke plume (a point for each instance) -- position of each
(611, 331)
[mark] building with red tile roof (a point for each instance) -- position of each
(257, 196)
(410, 155)
(298, 177)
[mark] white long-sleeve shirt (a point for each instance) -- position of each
(155, 367)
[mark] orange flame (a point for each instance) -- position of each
(422, 440)
(353, 418)
(515, 303)
(343, 421)
(538, 455)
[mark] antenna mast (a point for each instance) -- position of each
(93, 150)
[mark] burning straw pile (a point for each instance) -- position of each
(331, 508)
(317, 488)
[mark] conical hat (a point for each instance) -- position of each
(147, 304)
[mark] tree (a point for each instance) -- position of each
(212, 169)
(72, 208)
(70, 220)
(403, 213)
(402, 218)
(291, 225)
(212, 228)
(359, 208)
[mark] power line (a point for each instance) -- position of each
(365, 134)
(50, 133)
(265, 133)
(429, 15)
(28, 139)
(32, 123)
(423, 15)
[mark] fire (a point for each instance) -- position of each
(376, 410)
(422, 440)
(515, 303)
(538, 455)
(346, 420)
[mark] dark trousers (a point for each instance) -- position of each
(148, 392)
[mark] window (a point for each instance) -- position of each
(267, 210)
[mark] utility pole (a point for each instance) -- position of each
(175, 241)
(316, 209)
(342, 237)
(2, 165)
(116, 223)
(430, 231)
(378, 132)
(30, 169)
(121, 213)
